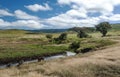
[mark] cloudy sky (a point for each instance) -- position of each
(56, 14)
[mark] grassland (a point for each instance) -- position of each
(104, 62)
(20, 44)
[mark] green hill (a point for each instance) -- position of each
(12, 31)
(116, 26)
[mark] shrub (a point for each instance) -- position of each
(49, 36)
(82, 34)
(63, 36)
(74, 46)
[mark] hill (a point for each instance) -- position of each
(116, 26)
(13, 31)
(48, 30)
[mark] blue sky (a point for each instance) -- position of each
(54, 14)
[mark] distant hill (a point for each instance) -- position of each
(88, 29)
(13, 31)
(48, 30)
(18, 31)
(116, 26)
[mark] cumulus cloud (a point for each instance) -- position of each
(105, 7)
(23, 15)
(5, 13)
(37, 7)
(78, 14)
(64, 21)
(20, 24)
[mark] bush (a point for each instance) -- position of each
(49, 36)
(82, 34)
(57, 41)
(63, 36)
(74, 46)
(86, 48)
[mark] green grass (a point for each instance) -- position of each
(17, 43)
(29, 50)
(93, 44)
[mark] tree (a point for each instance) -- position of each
(74, 46)
(103, 28)
(81, 31)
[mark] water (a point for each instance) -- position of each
(31, 61)
(54, 57)
(68, 53)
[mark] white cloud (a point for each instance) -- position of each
(64, 21)
(115, 17)
(21, 24)
(23, 15)
(31, 24)
(77, 15)
(105, 7)
(4, 23)
(5, 13)
(37, 7)
(81, 13)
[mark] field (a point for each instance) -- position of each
(19, 44)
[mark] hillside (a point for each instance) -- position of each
(116, 26)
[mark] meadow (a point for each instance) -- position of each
(101, 61)
(16, 45)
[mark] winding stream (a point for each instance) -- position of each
(68, 53)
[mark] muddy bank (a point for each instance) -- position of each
(19, 61)
(27, 58)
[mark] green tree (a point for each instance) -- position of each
(103, 28)
(81, 32)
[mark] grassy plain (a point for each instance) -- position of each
(104, 62)
(18, 44)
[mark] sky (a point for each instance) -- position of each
(57, 14)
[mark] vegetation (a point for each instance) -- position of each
(86, 29)
(62, 37)
(81, 31)
(74, 46)
(82, 34)
(16, 44)
(49, 36)
(19, 45)
(103, 27)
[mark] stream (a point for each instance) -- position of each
(68, 53)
